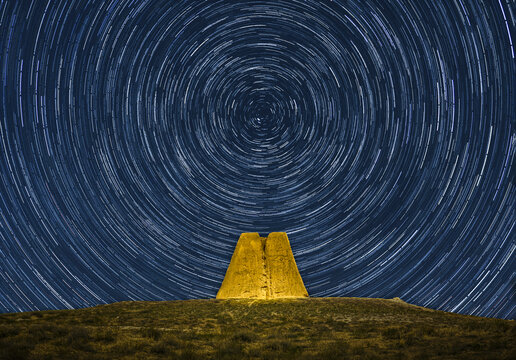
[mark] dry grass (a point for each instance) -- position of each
(317, 328)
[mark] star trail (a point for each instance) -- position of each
(138, 139)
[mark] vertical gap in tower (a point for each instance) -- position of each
(266, 275)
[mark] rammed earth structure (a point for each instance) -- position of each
(262, 268)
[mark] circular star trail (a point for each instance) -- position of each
(138, 139)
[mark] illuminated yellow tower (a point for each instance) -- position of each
(262, 268)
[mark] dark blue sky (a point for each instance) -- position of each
(138, 139)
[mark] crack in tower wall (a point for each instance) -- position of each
(266, 273)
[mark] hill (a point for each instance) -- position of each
(311, 328)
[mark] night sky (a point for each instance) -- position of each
(138, 139)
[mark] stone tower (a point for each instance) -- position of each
(262, 268)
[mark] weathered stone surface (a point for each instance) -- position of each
(262, 268)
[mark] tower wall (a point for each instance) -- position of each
(262, 268)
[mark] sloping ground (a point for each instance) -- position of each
(311, 328)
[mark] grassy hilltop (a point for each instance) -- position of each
(313, 328)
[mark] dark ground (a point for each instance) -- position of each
(314, 328)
